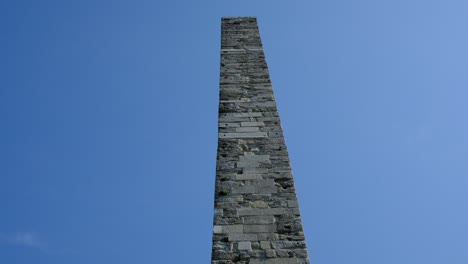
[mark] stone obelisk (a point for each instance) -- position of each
(256, 217)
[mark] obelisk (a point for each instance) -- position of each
(256, 217)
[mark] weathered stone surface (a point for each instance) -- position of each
(265, 244)
(244, 135)
(260, 228)
(242, 237)
(244, 245)
(277, 261)
(252, 124)
(257, 217)
(259, 220)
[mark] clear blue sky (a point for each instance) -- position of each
(108, 117)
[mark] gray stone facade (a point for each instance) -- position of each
(256, 217)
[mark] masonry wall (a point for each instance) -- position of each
(256, 217)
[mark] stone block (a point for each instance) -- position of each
(301, 253)
(227, 229)
(218, 212)
(244, 189)
(258, 204)
(247, 129)
(260, 228)
(241, 115)
(274, 211)
(261, 211)
(242, 237)
(244, 245)
(248, 211)
(288, 244)
(252, 157)
(229, 124)
(252, 124)
(266, 189)
(292, 203)
(217, 229)
(264, 183)
(243, 177)
(270, 253)
(264, 219)
(265, 245)
(244, 164)
(244, 135)
(254, 170)
(240, 100)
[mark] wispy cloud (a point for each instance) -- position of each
(25, 239)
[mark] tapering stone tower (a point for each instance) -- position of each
(256, 217)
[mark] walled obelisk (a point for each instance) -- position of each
(256, 217)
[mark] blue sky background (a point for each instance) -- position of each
(108, 114)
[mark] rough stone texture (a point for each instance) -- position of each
(256, 218)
